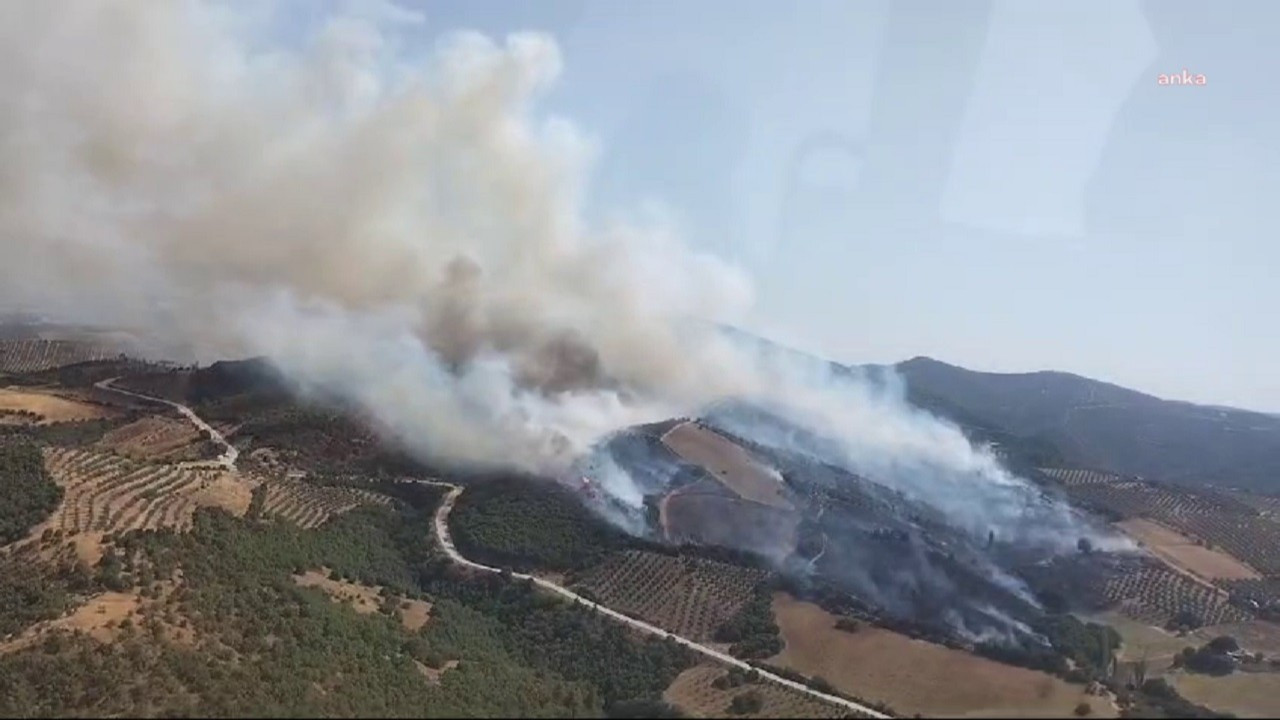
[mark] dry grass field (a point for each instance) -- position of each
(691, 597)
(1241, 694)
(47, 408)
(693, 692)
(914, 676)
(1182, 552)
(727, 463)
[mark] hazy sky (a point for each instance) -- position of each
(1000, 184)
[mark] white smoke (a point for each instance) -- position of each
(405, 233)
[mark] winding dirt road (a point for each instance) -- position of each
(229, 452)
(446, 542)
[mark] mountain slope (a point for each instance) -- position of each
(1100, 425)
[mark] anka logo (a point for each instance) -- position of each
(1185, 78)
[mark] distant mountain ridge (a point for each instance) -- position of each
(1049, 417)
(1104, 426)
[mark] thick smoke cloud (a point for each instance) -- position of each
(404, 232)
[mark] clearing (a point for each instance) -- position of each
(98, 618)
(47, 408)
(727, 463)
(1183, 553)
(913, 676)
(365, 599)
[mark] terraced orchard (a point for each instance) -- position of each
(685, 595)
(108, 493)
(25, 356)
(708, 690)
(310, 505)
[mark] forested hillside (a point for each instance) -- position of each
(27, 493)
(222, 629)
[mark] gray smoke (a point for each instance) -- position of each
(406, 233)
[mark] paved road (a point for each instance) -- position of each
(446, 541)
(229, 452)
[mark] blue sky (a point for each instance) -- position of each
(999, 184)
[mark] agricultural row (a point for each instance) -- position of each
(1127, 497)
(1254, 540)
(24, 356)
(1153, 594)
(109, 493)
(1242, 525)
(309, 505)
(152, 437)
(686, 595)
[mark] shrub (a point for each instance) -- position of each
(746, 703)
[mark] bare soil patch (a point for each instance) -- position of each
(914, 676)
(414, 614)
(228, 490)
(365, 599)
(1183, 553)
(433, 674)
(727, 463)
(98, 618)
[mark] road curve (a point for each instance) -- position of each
(229, 452)
(446, 542)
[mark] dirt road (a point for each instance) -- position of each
(229, 453)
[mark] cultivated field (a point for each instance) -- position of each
(1183, 552)
(693, 692)
(24, 356)
(42, 407)
(309, 505)
(1240, 525)
(108, 493)
(914, 676)
(690, 597)
(727, 463)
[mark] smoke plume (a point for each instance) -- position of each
(404, 230)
